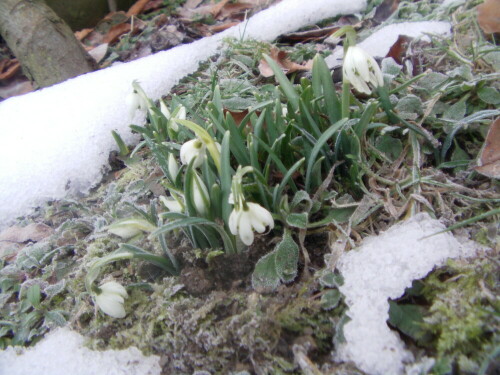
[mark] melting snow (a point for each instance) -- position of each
(56, 141)
(62, 352)
(382, 268)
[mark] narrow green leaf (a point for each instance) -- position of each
(285, 84)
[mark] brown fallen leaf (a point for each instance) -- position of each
(221, 27)
(16, 86)
(82, 34)
(281, 58)
(33, 232)
(309, 35)
(8, 68)
(115, 32)
(137, 8)
(490, 156)
(385, 9)
(488, 16)
(398, 49)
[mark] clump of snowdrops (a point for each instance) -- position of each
(228, 182)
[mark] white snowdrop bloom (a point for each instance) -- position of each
(248, 218)
(173, 168)
(134, 102)
(361, 69)
(172, 204)
(181, 115)
(194, 149)
(199, 195)
(128, 228)
(111, 299)
(164, 109)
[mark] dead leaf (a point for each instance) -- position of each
(115, 32)
(281, 58)
(398, 49)
(8, 68)
(99, 52)
(221, 27)
(488, 16)
(153, 5)
(16, 86)
(82, 34)
(309, 35)
(33, 232)
(235, 10)
(217, 7)
(137, 8)
(490, 156)
(385, 9)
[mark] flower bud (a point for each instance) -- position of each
(361, 69)
(111, 298)
(193, 149)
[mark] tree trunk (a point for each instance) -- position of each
(44, 45)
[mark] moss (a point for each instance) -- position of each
(463, 313)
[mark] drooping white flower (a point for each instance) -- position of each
(193, 149)
(199, 195)
(111, 298)
(173, 168)
(128, 228)
(164, 109)
(172, 204)
(134, 102)
(247, 218)
(361, 69)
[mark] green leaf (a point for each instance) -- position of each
(265, 277)
(56, 317)
(489, 95)
(287, 258)
(298, 220)
(331, 280)
(330, 299)
(285, 84)
(408, 319)
(33, 295)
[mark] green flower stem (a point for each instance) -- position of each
(346, 97)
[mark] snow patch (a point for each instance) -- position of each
(380, 42)
(62, 352)
(382, 268)
(56, 141)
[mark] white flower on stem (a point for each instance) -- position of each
(134, 102)
(128, 228)
(247, 218)
(361, 69)
(199, 195)
(111, 298)
(172, 204)
(173, 168)
(164, 109)
(194, 149)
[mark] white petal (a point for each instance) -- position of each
(164, 109)
(124, 231)
(230, 199)
(233, 221)
(173, 168)
(172, 204)
(263, 215)
(111, 305)
(113, 287)
(200, 195)
(132, 101)
(245, 229)
(193, 149)
(181, 115)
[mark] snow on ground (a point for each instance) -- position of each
(379, 43)
(56, 141)
(62, 352)
(382, 268)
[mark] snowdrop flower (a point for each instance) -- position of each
(128, 228)
(111, 298)
(194, 149)
(247, 218)
(361, 69)
(173, 168)
(164, 109)
(172, 204)
(134, 102)
(199, 195)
